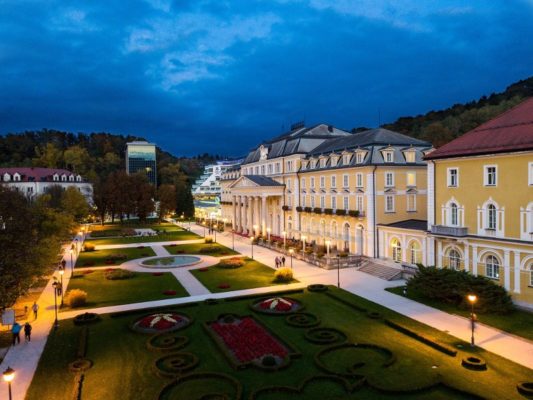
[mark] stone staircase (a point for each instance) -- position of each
(381, 270)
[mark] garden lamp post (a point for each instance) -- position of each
(55, 285)
(268, 235)
(9, 375)
(472, 298)
(328, 243)
(61, 272)
(71, 263)
(284, 239)
(252, 242)
(291, 251)
(216, 228)
(204, 229)
(303, 243)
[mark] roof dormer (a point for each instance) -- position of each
(410, 155)
(55, 177)
(16, 177)
(388, 154)
(360, 156)
(7, 177)
(78, 178)
(334, 157)
(323, 161)
(346, 157)
(71, 178)
(64, 178)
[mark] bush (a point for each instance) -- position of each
(76, 298)
(452, 287)
(88, 247)
(343, 254)
(208, 240)
(231, 263)
(353, 213)
(119, 274)
(209, 250)
(283, 275)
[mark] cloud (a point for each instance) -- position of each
(161, 5)
(72, 20)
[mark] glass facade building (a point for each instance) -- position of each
(141, 157)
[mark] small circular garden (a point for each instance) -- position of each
(160, 322)
(175, 364)
(276, 305)
(325, 336)
(302, 320)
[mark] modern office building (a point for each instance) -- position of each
(141, 157)
(207, 186)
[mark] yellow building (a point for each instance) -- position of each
(329, 187)
(480, 205)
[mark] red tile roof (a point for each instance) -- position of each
(38, 174)
(509, 132)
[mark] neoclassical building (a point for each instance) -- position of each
(325, 185)
(480, 206)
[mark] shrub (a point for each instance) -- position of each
(317, 210)
(328, 211)
(353, 213)
(209, 250)
(76, 298)
(341, 212)
(283, 275)
(452, 287)
(231, 263)
(343, 254)
(208, 240)
(88, 247)
(299, 209)
(308, 209)
(119, 274)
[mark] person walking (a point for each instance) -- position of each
(35, 308)
(277, 262)
(15, 330)
(27, 332)
(283, 260)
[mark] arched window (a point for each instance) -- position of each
(491, 217)
(414, 252)
(492, 267)
(396, 250)
(454, 259)
(346, 236)
(454, 215)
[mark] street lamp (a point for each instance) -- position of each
(61, 272)
(290, 252)
(9, 375)
(56, 289)
(303, 243)
(472, 298)
(328, 243)
(268, 235)
(252, 241)
(284, 239)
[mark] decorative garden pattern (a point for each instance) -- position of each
(302, 320)
(203, 385)
(325, 336)
(174, 364)
(245, 341)
(161, 322)
(167, 341)
(276, 305)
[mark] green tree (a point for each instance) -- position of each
(77, 159)
(48, 156)
(74, 204)
(166, 194)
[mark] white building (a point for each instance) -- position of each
(208, 184)
(36, 181)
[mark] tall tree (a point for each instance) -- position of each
(74, 203)
(77, 159)
(48, 156)
(166, 194)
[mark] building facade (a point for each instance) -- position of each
(33, 182)
(141, 157)
(328, 186)
(207, 186)
(480, 206)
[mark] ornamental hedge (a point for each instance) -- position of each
(450, 286)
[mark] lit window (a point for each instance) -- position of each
(389, 203)
(490, 175)
(454, 259)
(396, 250)
(530, 173)
(411, 179)
(492, 267)
(389, 179)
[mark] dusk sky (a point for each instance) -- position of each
(221, 76)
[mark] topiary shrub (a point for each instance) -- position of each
(451, 287)
(118, 274)
(231, 263)
(86, 318)
(525, 388)
(76, 298)
(474, 363)
(283, 275)
(343, 254)
(208, 240)
(88, 247)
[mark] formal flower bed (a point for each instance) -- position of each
(160, 322)
(245, 341)
(169, 292)
(277, 305)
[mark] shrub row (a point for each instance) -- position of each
(437, 346)
(151, 310)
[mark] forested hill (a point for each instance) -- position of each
(440, 127)
(93, 155)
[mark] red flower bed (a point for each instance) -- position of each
(224, 286)
(110, 262)
(277, 304)
(109, 269)
(160, 321)
(169, 292)
(204, 269)
(157, 273)
(247, 340)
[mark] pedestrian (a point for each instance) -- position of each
(277, 262)
(27, 332)
(15, 330)
(283, 260)
(35, 308)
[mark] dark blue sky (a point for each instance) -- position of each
(220, 76)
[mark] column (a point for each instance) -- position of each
(251, 221)
(439, 254)
(239, 213)
(257, 212)
(507, 270)
(263, 214)
(474, 259)
(404, 248)
(516, 272)
(245, 214)
(234, 215)
(431, 251)
(467, 257)
(381, 244)
(371, 223)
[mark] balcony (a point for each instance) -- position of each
(449, 230)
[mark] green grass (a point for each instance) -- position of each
(122, 365)
(102, 292)
(167, 236)
(252, 274)
(518, 323)
(99, 257)
(217, 249)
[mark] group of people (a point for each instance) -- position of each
(17, 328)
(280, 261)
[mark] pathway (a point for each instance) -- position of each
(126, 245)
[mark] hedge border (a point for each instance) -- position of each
(289, 320)
(183, 341)
(167, 374)
(340, 337)
(151, 310)
(525, 388)
(257, 295)
(474, 363)
(431, 343)
(194, 375)
(86, 318)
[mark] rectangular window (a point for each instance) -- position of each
(278, 168)
(333, 202)
(303, 200)
(270, 169)
(312, 182)
(389, 203)
(411, 179)
(322, 181)
(453, 177)
(334, 161)
(303, 183)
(289, 201)
(289, 166)
(359, 180)
(346, 203)
(262, 169)
(322, 163)
(389, 179)
(531, 178)
(359, 205)
(388, 156)
(322, 201)
(346, 159)
(312, 201)
(333, 181)
(289, 184)
(411, 202)
(360, 158)
(257, 170)
(345, 182)
(491, 175)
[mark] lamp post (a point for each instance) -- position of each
(204, 229)
(338, 272)
(61, 272)
(71, 263)
(284, 239)
(472, 298)
(9, 375)
(303, 243)
(328, 243)
(56, 288)
(291, 251)
(268, 235)
(252, 242)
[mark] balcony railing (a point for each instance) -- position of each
(449, 230)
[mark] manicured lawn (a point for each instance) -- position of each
(519, 322)
(99, 258)
(124, 368)
(211, 249)
(102, 292)
(167, 236)
(251, 275)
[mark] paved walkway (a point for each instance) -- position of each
(147, 244)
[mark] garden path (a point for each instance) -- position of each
(125, 245)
